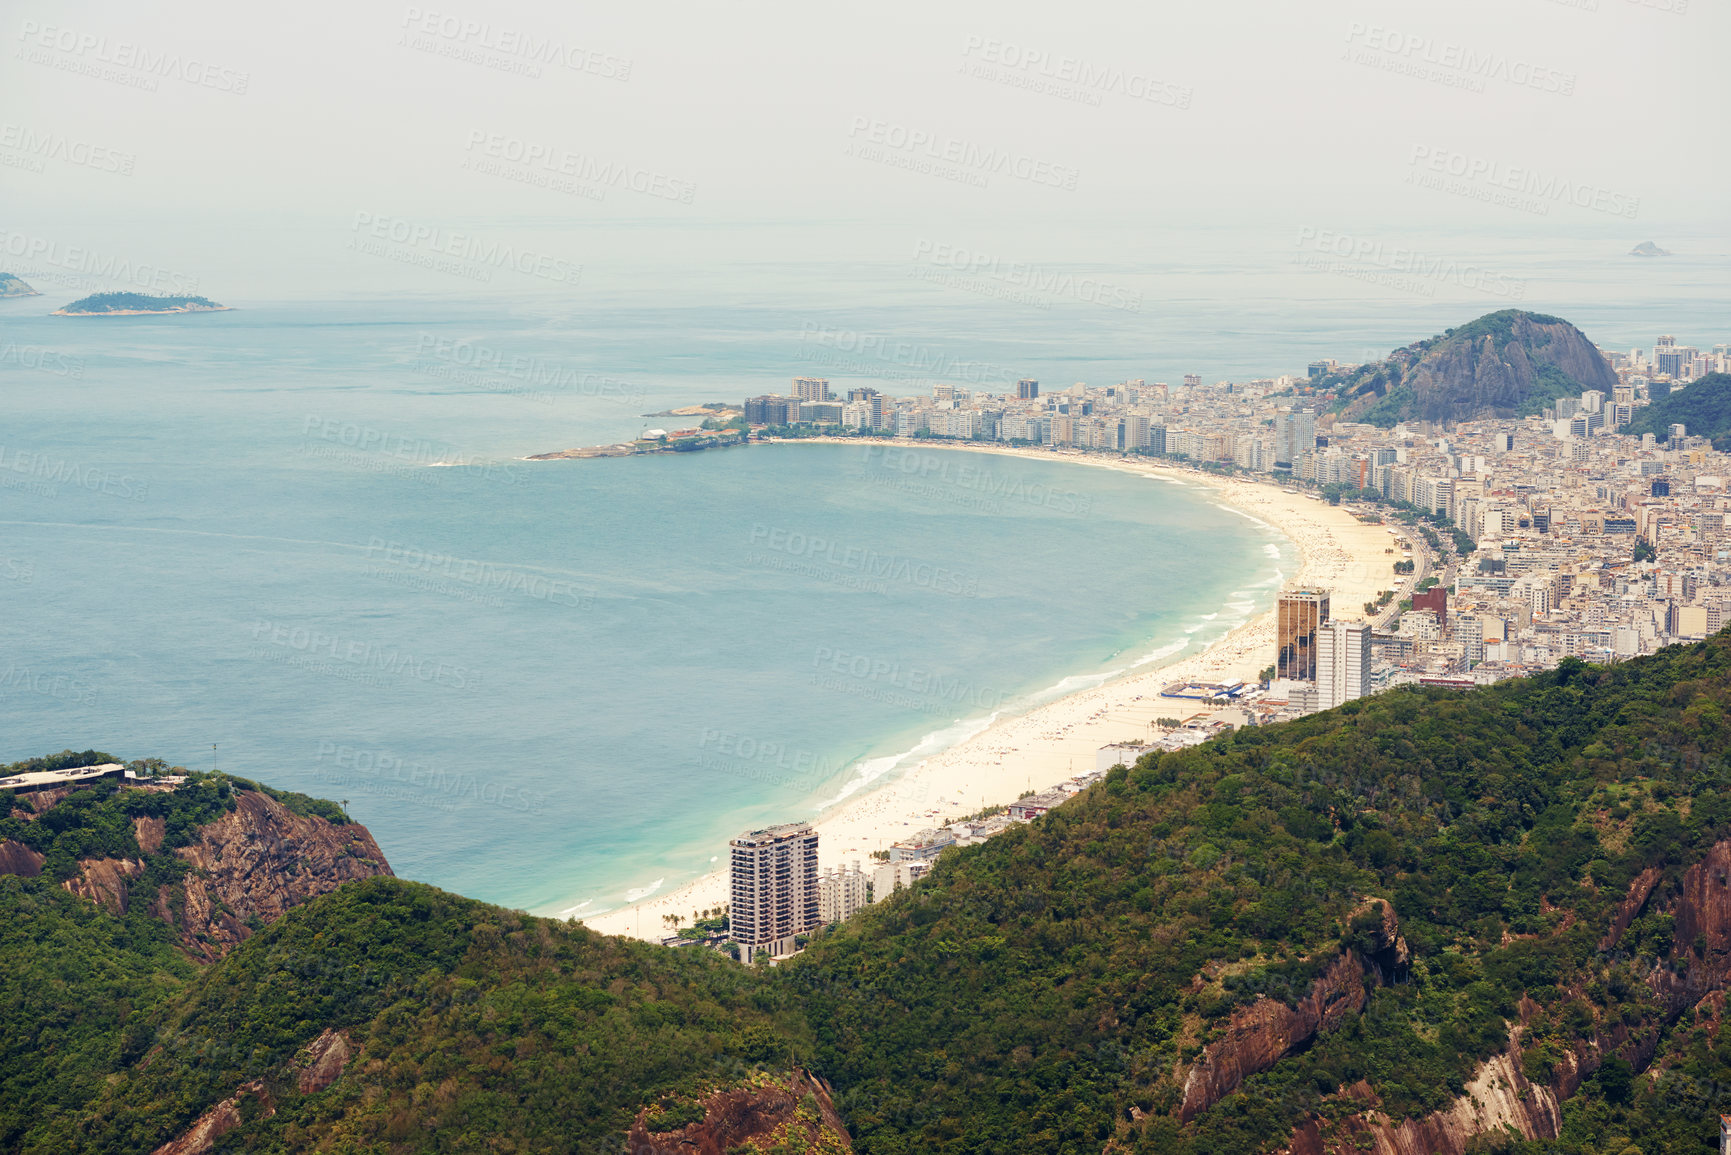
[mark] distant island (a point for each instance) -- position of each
(136, 305)
(11, 286)
(1648, 249)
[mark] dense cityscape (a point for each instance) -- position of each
(1516, 543)
(1552, 535)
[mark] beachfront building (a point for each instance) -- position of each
(774, 888)
(1342, 663)
(1301, 613)
(892, 876)
(840, 892)
(922, 846)
(1107, 757)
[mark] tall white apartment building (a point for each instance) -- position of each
(840, 892)
(1342, 663)
(774, 888)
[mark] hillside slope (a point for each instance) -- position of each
(1703, 408)
(1505, 364)
(1418, 923)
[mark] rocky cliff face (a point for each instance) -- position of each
(1261, 1034)
(1502, 365)
(764, 1115)
(253, 863)
(1500, 1097)
(259, 860)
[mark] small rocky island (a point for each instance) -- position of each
(136, 305)
(1648, 249)
(11, 286)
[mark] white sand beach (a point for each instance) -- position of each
(1057, 740)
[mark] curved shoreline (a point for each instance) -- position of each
(1057, 739)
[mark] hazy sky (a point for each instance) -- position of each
(228, 136)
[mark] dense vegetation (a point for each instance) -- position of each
(1703, 408)
(1045, 991)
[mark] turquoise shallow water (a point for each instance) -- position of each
(540, 684)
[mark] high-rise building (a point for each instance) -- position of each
(811, 388)
(1027, 390)
(1294, 435)
(766, 410)
(774, 891)
(1193, 380)
(1300, 615)
(840, 892)
(1436, 600)
(1342, 663)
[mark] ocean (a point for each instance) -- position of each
(296, 541)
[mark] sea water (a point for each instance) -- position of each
(298, 541)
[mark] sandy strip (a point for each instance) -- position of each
(1055, 741)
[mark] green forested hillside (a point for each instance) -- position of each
(1703, 408)
(1050, 990)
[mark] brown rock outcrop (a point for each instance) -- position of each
(16, 858)
(261, 859)
(1261, 1034)
(258, 860)
(1630, 910)
(148, 832)
(761, 1109)
(1499, 1098)
(325, 1059)
(103, 880)
(217, 1122)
